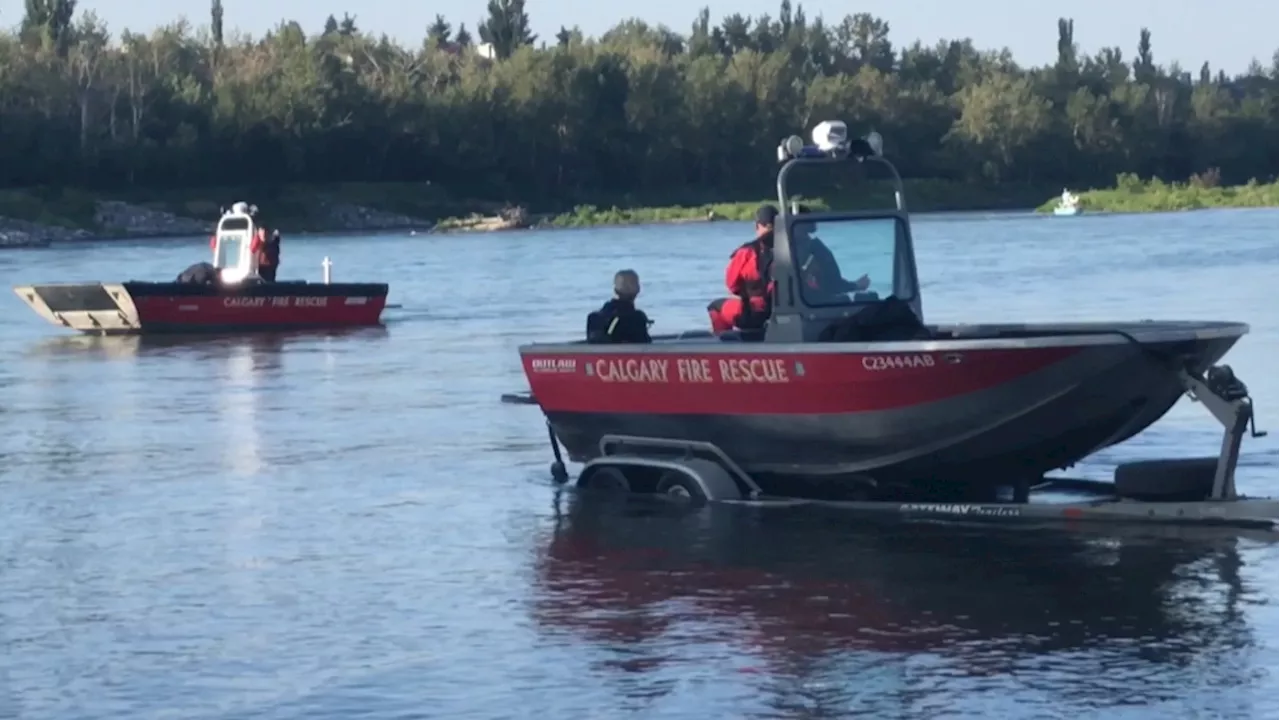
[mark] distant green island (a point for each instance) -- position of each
(1133, 195)
(356, 207)
(68, 214)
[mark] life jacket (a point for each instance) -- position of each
(618, 322)
(760, 284)
(267, 247)
(756, 292)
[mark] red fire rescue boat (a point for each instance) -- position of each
(228, 295)
(845, 393)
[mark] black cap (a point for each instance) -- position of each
(766, 215)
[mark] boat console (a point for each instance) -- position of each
(235, 246)
(876, 244)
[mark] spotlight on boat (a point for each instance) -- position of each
(831, 136)
(790, 147)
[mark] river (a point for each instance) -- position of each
(341, 526)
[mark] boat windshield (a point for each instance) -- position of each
(833, 256)
(229, 250)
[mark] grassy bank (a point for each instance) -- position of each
(309, 208)
(1132, 194)
(922, 196)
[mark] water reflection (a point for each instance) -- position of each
(810, 600)
(266, 346)
(237, 406)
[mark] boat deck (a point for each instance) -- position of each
(949, 336)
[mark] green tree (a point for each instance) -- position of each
(440, 31)
(47, 23)
(463, 36)
(506, 28)
(639, 115)
(215, 23)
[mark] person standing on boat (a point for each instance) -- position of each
(266, 242)
(749, 279)
(619, 321)
(269, 255)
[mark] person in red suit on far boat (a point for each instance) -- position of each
(749, 280)
(269, 255)
(266, 244)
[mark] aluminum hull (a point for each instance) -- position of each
(976, 404)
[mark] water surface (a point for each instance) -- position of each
(341, 525)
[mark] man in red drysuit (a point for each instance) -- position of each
(749, 280)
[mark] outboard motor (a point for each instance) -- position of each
(202, 273)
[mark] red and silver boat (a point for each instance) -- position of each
(854, 395)
(228, 296)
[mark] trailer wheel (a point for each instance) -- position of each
(680, 487)
(605, 480)
(700, 482)
(1167, 480)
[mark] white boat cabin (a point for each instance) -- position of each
(1068, 200)
(235, 245)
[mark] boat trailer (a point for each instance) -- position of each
(699, 472)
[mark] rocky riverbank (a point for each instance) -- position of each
(21, 233)
(113, 219)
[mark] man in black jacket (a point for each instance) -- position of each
(619, 321)
(817, 264)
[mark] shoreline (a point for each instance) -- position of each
(424, 230)
(42, 215)
(151, 221)
(1132, 195)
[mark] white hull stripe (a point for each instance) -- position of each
(356, 301)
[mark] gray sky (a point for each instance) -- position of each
(1227, 33)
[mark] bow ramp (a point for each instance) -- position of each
(97, 308)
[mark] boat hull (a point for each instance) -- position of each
(150, 308)
(973, 411)
(1067, 211)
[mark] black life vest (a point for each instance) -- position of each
(618, 322)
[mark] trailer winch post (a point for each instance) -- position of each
(1227, 398)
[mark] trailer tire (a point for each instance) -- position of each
(606, 479)
(1167, 480)
(680, 487)
(703, 482)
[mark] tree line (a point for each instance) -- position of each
(640, 112)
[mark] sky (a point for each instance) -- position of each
(1227, 33)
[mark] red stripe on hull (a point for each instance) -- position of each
(312, 311)
(771, 383)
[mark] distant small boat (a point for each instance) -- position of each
(1068, 204)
